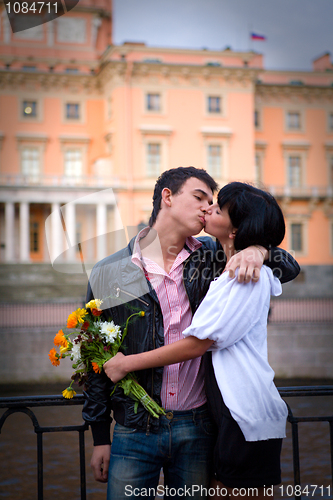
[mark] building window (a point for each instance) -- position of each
(214, 104)
(72, 111)
(153, 102)
(330, 173)
(256, 119)
(34, 237)
(153, 159)
(294, 120)
(73, 163)
(214, 160)
(297, 244)
(294, 171)
(30, 163)
(29, 109)
(330, 122)
(258, 168)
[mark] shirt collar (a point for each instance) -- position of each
(191, 244)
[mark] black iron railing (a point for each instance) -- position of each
(24, 405)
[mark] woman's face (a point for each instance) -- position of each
(218, 224)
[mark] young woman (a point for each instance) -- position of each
(231, 322)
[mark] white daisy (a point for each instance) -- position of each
(109, 331)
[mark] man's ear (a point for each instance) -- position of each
(166, 196)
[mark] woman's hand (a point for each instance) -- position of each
(249, 261)
(115, 368)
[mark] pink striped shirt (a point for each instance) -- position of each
(183, 383)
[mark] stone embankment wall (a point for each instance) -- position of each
(39, 299)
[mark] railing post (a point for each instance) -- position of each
(82, 464)
(40, 464)
(331, 446)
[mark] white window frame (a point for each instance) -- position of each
(260, 115)
(219, 136)
(33, 142)
(296, 149)
(300, 112)
(330, 121)
(260, 153)
(82, 110)
(78, 158)
(155, 134)
(39, 105)
(330, 169)
(154, 173)
(69, 143)
(304, 235)
(154, 111)
(215, 171)
(157, 91)
(31, 176)
(214, 95)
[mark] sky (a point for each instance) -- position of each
(296, 31)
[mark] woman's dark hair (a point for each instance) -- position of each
(174, 179)
(254, 213)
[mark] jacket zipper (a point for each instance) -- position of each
(152, 372)
(119, 290)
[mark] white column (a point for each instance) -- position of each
(71, 232)
(9, 230)
(24, 232)
(101, 230)
(56, 232)
(90, 232)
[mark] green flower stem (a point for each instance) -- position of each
(126, 325)
(135, 391)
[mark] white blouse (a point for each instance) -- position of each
(234, 315)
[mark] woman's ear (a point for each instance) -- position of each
(166, 196)
(232, 235)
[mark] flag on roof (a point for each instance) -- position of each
(256, 36)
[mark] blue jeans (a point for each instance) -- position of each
(183, 448)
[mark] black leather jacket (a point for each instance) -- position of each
(130, 291)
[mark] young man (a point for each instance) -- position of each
(165, 272)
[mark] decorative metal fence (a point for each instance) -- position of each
(24, 404)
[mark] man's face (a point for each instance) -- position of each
(189, 205)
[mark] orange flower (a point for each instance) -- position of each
(96, 368)
(96, 312)
(59, 339)
(72, 320)
(54, 357)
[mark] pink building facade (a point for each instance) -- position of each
(81, 117)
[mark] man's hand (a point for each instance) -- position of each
(249, 262)
(100, 462)
(115, 367)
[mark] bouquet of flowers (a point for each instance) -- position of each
(89, 344)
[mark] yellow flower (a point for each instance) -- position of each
(64, 348)
(76, 317)
(68, 393)
(94, 304)
(142, 313)
(80, 314)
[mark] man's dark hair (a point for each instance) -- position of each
(254, 213)
(174, 179)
